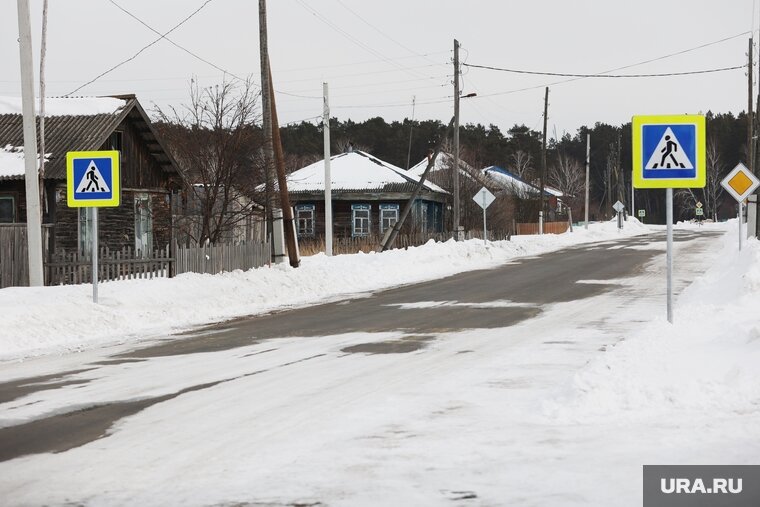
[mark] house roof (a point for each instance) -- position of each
(443, 162)
(510, 181)
(356, 171)
(78, 124)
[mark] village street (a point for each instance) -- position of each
(417, 395)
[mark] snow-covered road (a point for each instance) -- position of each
(550, 411)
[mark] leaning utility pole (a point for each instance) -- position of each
(543, 164)
(750, 115)
(33, 216)
(456, 141)
(266, 107)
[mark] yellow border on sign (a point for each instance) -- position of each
(115, 179)
(638, 158)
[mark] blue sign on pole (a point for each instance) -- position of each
(93, 178)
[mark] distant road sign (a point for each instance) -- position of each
(642, 213)
(700, 211)
(92, 179)
(669, 151)
(484, 198)
(699, 204)
(740, 182)
(618, 206)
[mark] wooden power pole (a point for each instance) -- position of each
(456, 218)
(750, 115)
(266, 107)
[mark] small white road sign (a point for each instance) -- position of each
(618, 206)
(484, 198)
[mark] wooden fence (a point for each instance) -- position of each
(224, 257)
(125, 264)
(549, 228)
(14, 256)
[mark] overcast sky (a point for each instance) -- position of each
(378, 55)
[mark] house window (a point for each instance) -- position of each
(7, 209)
(388, 216)
(115, 140)
(360, 219)
(424, 213)
(85, 231)
(305, 219)
(143, 225)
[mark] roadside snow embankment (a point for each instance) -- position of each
(703, 365)
(43, 320)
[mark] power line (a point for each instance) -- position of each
(141, 50)
(163, 36)
(616, 76)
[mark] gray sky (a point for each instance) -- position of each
(377, 55)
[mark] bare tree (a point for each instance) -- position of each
(522, 162)
(568, 176)
(218, 148)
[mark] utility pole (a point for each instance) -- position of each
(266, 106)
(588, 160)
(411, 129)
(43, 52)
(456, 141)
(328, 181)
(543, 163)
(750, 115)
(33, 217)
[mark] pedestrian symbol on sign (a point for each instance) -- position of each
(92, 181)
(669, 154)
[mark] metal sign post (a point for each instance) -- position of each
(740, 183)
(619, 207)
(484, 198)
(94, 255)
(93, 181)
(669, 152)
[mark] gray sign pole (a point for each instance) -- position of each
(741, 206)
(94, 255)
(484, 217)
(669, 256)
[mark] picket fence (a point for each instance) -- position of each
(549, 228)
(214, 259)
(124, 264)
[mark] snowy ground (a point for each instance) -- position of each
(565, 414)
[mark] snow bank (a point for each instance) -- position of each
(62, 106)
(58, 319)
(704, 364)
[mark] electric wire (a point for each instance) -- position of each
(141, 50)
(614, 76)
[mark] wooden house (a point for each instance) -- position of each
(368, 196)
(149, 174)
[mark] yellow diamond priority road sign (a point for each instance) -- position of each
(740, 182)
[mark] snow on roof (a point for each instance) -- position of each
(443, 162)
(66, 106)
(354, 170)
(12, 162)
(509, 180)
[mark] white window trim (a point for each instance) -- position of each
(368, 220)
(309, 209)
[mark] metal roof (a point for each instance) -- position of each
(85, 132)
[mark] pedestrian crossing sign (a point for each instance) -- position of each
(668, 151)
(92, 179)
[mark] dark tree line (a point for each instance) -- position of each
(519, 150)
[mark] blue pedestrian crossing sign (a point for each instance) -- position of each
(669, 151)
(92, 179)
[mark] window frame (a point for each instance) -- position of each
(383, 209)
(146, 250)
(12, 199)
(307, 214)
(367, 221)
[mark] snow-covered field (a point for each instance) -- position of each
(562, 409)
(60, 319)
